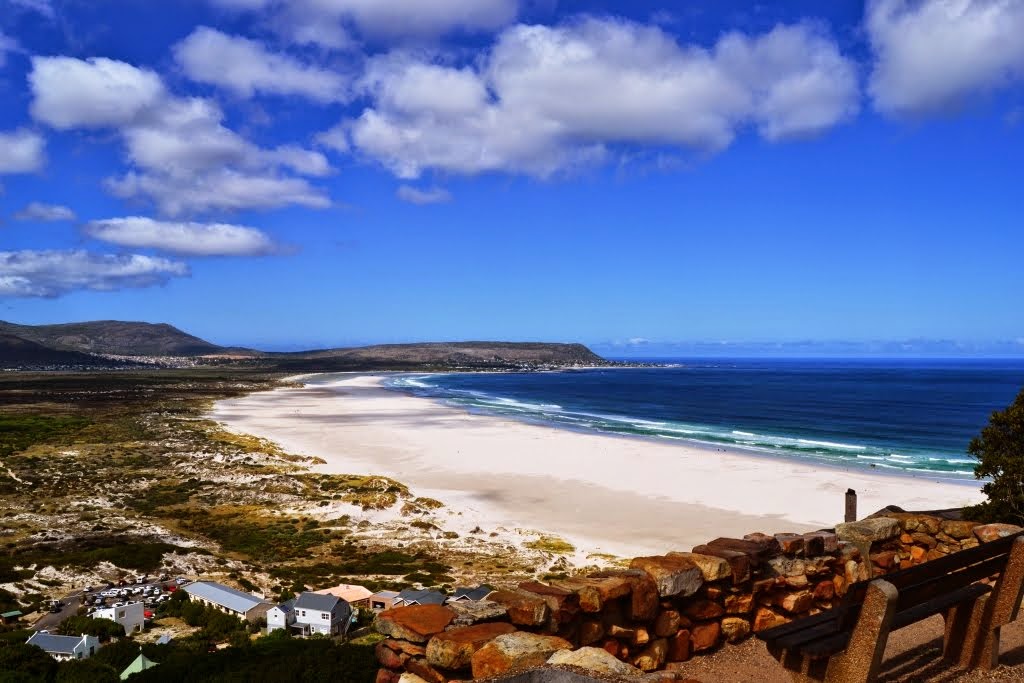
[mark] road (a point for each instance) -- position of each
(49, 621)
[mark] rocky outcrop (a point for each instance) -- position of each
(664, 609)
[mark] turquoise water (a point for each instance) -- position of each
(912, 416)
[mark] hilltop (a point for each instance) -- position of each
(113, 337)
(97, 343)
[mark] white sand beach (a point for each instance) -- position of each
(608, 494)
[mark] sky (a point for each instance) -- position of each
(644, 177)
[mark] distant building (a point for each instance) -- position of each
(382, 600)
(229, 600)
(281, 616)
(470, 594)
(141, 663)
(11, 617)
(131, 616)
(65, 647)
(356, 596)
(419, 597)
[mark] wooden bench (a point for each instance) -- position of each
(846, 643)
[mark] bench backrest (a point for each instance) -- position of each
(925, 581)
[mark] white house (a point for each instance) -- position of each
(311, 613)
(227, 599)
(65, 647)
(281, 616)
(131, 616)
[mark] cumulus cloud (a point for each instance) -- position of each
(433, 195)
(37, 211)
(183, 238)
(931, 55)
(246, 68)
(95, 93)
(323, 21)
(54, 273)
(21, 151)
(547, 98)
(185, 159)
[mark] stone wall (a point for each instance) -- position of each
(664, 609)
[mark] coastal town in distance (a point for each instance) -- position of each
(513, 341)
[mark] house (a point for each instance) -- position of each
(140, 664)
(323, 614)
(382, 600)
(65, 647)
(419, 597)
(470, 594)
(131, 616)
(281, 616)
(356, 596)
(11, 617)
(229, 600)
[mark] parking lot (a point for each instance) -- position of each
(150, 592)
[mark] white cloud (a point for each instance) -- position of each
(185, 159)
(7, 44)
(931, 55)
(217, 190)
(322, 21)
(547, 98)
(74, 93)
(413, 195)
(43, 7)
(246, 68)
(21, 151)
(37, 211)
(54, 273)
(183, 238)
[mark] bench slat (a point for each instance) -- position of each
(774, 633)
(925, 591)
(830, 645)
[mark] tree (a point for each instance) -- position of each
(999, 449)
(104, 629)
(86, 671)
(21, 662)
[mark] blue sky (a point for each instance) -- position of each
(795, 177)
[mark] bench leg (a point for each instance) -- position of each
(1003, 605)
(861, 660)
(964, 626)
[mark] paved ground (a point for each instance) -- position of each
(71, 602)
(912, 655)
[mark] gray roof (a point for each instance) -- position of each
(478, 593)
(222, 595)
(287, 606)
(385, 594)
(423, 597)
(52, 643)
(315, 601)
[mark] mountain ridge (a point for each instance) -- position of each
(98, 338)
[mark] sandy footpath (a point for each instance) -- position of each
(618, 495)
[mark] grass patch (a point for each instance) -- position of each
(18, 432)
(551, 544)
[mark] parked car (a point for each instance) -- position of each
(181, 581)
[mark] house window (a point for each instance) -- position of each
(326, 616)
(303, 612)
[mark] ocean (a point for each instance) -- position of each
(909, 415)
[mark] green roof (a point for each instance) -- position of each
(10, 615)
(141, 663)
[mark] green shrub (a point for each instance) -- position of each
(999, 449)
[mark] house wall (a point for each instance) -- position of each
(278, 619)
(131, 616)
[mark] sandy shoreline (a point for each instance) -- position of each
(606, 494)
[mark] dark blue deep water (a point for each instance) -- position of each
(912, 415)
